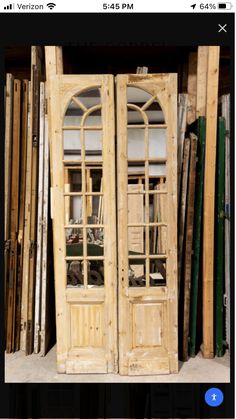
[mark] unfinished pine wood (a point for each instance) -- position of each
(202, 66)
(147, 314)
(209, 201)
(189, 243)
(38, 281)
(182, 209)
(23, 155)
(87, 314)
(54, 66)
(182, 123)
(226, 115)
(7, 179)
(11, 302)
(192, 87)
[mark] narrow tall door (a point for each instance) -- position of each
(84, 222)
(147, 223)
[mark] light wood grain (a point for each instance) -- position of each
(209, 202)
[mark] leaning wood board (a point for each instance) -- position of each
(209, 202)
(200, 131)
(38, 281)
(202, 66)
(10, 344)
(182, 123)
(219, 253)
(226, 115)
(35, 79)
(23, 155)
(192, 87)
(182, 209)
(46, 322)
(26, 243)
(189, 243)
(7, 179)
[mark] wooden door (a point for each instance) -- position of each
(84, 222)
(147, 158)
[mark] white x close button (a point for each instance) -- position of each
(222, 27)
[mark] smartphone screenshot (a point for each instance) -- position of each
(117, 187)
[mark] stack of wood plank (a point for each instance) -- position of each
(202, 180)
(26, 211)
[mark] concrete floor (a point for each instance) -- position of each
(35, 369)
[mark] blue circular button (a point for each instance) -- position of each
(214, 397)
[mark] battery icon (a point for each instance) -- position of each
(226, 6)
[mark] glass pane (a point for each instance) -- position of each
(73, 180)
(136, 146)
(73, 209)
(90, 97)
(157, 208)
(95, 241)
(135, 206)
(95, 273)
(155, 114)
(93, 145)
(96, 179)
(157, 169)
(94, 209)
(75, 273)
(156, 183)
(157, 142)
(137, 96)
(73, 115)
(72, 145)
(136, 240)
(94, 118)
(134, 116)
(136, 168)
(158, 240)
(137, 270)
(157, 272)
(74, 241)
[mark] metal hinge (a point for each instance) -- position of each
(225, 300)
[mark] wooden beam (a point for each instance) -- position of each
(10, 344)
(226, 115)
(189, 243)
(7, 174)
(182, 210)
(192, 87)
(36, 72)
(219, 253)
(182, 123)
(26, 244)
(38, 280)
(202, 66)
(23, 155)
(54, 66)
(209, 201)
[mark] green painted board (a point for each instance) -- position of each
(200, 129)
(219, 245)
